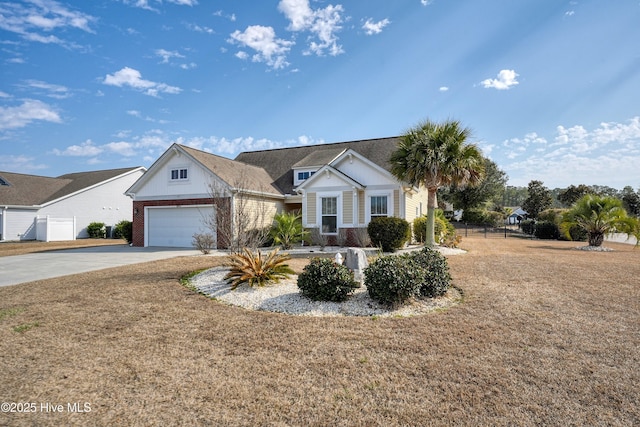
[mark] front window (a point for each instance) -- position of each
(329, 215)
(304, 175)
(179, 174)
(379, 206)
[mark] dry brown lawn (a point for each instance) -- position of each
(31, 246)
(546, 335)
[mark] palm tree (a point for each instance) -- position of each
(598, 216)
(434, 155)
(287, 229)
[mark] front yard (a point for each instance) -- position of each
(546, 335)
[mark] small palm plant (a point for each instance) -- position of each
(599, 216)
(256, 269)
(287, 229)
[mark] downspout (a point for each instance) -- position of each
(233, 218)
(3, 225)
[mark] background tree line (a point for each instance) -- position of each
(493, 194)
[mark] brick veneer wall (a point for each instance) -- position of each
(138, 218)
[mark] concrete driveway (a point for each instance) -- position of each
(45, 265)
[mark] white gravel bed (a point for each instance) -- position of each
(285, 297)
(594, 248)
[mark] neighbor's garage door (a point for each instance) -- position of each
(175, 226)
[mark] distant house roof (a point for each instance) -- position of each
(34, 190)
(279, 163)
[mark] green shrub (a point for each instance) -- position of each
(494, 219)
(551, 215)
(255, 269)
(420, 229)
(528, 226)
(324, 280)
(391, 281)
(389, 233)
(123, 230)
(287, 229)
(96, 230)
(474, 216)
(483, 217)
(546, 230)
(578, 234)
(434, 272)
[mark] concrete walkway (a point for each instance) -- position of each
(45, 265)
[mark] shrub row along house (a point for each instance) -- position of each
(43, 208)
(338, 188)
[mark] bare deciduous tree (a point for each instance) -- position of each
(241, 218)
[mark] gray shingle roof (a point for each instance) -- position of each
(34, 190)
(278, 163)
(235, 173)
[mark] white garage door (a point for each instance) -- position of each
(174, 227)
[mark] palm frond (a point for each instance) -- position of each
(255, 269)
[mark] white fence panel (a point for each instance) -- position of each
(50, 229)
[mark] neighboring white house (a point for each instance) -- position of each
(338, 188)
(42, 208)
(516, 216)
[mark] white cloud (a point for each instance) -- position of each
(271, 50)
(86, 149)
(19, 163)
(51, 90)
(371, 27)
(30, 110)
(506, 79)
(4, 95)
(167, 55)
(199, 29)
(443, 89)
(122, 148)
(188, 66)
(132, 78)
(322, 23)
(142, 4)
(426, 2)
(578, 155)
(184, 2)
(43, 16)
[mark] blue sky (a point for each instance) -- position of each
(550, 88)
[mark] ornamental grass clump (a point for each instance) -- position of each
(324, 280)
(256, 269)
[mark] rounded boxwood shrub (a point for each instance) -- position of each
(123, 230)
(546, 230)
(391, 280)
(528, 226)
(96, 230)
(324, 280)
(389, 233)
(433, 272)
